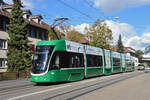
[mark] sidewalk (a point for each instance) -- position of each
(15, 83)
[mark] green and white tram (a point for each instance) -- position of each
(123, 56)
(94, 61)
(62, 60)
(107, 63)
(129, 63)
(116, 62)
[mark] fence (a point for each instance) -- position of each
(14, 75)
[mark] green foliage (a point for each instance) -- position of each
(66, 33)
(52, 36)
(139, 53)
(148, 64)
(120, 45)
(100, 35)
(74, 35)
(19, 51)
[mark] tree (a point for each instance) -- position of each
(19, 51)
(52, 36)
(74, 35)
(120, 46)
(100, 35)
(139, 54)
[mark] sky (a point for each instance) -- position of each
(130, 18)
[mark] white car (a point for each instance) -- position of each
(147, 69)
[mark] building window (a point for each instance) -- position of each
(2, 44)
(46, 36)
(32, 33)
(28, 16)
(40, 35)
(29, 32)
(2, 25)
(2, 63)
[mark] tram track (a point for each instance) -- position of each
(91, 88)
(74, 89)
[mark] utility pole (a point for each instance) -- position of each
(57, 22)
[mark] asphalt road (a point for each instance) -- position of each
(62, 91)
(136, 88)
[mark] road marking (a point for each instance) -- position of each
(38, 92)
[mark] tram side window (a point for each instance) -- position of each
(116, 62)
(67, 60)
(94, 61)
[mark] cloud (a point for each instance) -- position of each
(147, 29)
(139, 42)
(27, 3)
(117, 28)
(8, 1)
(129, 37)
(81, 28)
(138, 2)
(110, 6)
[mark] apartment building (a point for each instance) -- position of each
(37, 30)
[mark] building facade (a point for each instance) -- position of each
(146, 56)
(37, 30)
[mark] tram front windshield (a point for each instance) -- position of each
(40, 59)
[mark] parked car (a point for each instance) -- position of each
(147, 69)
(141, 67)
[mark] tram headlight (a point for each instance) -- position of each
(52, 73)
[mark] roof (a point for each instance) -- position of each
(35, 16)
(42, 25)
(2, 2)
(126, 49)
(4, 13)
(7, 6)
(27, 10)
